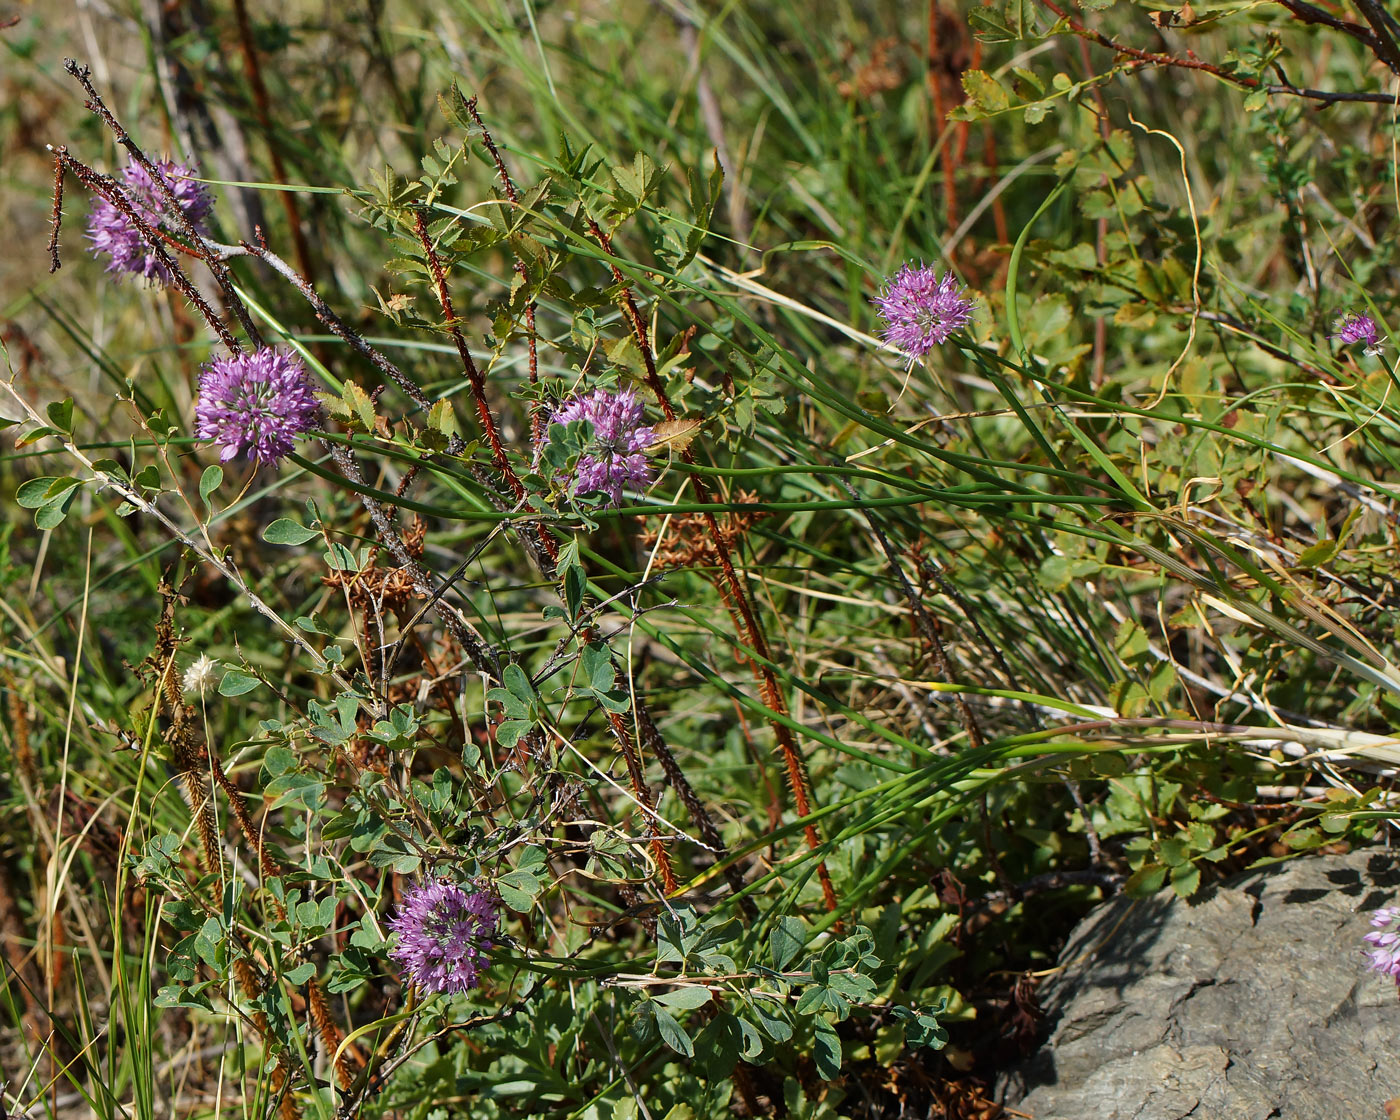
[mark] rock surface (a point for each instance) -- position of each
(1251, 1004)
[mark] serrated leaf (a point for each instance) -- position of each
(985, 91)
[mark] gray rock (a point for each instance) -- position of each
(1253, 1003)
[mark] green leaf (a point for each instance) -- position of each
(774, 1025)
(510, 731)
(597, 666)
(785, 941)
(301, 974)
(827, 1052)
(50, 516)
(39, 492)
(685, 999)
(60, 414)
(517, 683)
(236, 683)
(672, 1033)
(210, 481)
(1318, 554)
(284, 530)
(518, 889)
(986, 92)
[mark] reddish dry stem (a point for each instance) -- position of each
(478, 383)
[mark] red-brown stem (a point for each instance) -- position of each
(478, 383)
(643, 795)
(537, 425)
(262, 105)
(751, 631)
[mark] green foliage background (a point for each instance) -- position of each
(1098, 598)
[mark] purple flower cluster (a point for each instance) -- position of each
(444, 933)
(617, 439)
(1384, 954)
(921, 310)
(1357, 326)
(255, 404)
(112, 233)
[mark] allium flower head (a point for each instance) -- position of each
(617, 439)
(1384, 954)
(444, 933)
(921, 310)
(113, 235)
(255, 404)
(200, 675)
(1357, 326)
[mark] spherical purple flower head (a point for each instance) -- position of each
(444, 933)
(113, 235)
(1357, 326)
(255, 404)
(617, 439)
(921, 310)
(1383, 956)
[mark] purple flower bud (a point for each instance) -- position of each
(617, 439)
(921, 310)
(255, 404)
(113, 235)
(1384, 916)
(444, 933)
(1357, 326)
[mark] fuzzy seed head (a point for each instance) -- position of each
(199, 677)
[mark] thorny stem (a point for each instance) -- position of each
(111, 190)
(478, 383)
(537, 425)
(176, 211)
(752, 634)
(1305, 12)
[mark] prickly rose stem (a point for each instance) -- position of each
(478, 383)
(537, 425)
(643, 795)
(751, 631)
